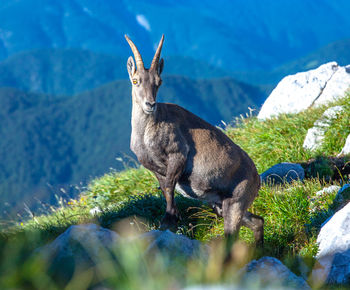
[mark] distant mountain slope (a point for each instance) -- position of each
(239, 35)
(338, 51)
(60, 72)
(72, 71)
(59, 141)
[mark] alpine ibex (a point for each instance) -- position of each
(188, 153)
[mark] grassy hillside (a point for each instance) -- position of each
(292, 212)
(52, 142)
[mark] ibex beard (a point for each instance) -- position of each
(186, 152)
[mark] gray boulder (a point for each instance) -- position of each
(267, 273)
(303, 90)
(270, 273)
(79, 247)
(90, 247)
(85, 242)
(333, 258)
(173, 245)
(283, 172)
(315, 135)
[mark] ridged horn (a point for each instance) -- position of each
(156, 57)
(137, 55)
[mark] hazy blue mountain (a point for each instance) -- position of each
(60, 72)
(235, 35)
(50, 142)
(338, 51)
(71, 71)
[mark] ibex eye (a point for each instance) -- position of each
(134, 81)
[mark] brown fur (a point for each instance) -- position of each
(188, 153)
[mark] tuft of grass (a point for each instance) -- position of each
(118, 186)
(280, 139)
(338, 130)
(286, 210)
(275, 140)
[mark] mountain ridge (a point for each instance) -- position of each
(247, 35)
(73, 71)
(338, 51)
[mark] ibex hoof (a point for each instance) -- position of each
(169, 222)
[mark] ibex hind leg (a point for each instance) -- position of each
(232, 212)
(256, 224)
(249, 220)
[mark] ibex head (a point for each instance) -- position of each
(145, 82)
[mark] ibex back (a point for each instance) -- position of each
(188, 153)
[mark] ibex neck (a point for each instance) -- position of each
(140, 120)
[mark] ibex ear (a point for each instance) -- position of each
(131, 67)
(160, 66)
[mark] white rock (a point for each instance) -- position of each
(298, 92)
(315, 135)
(328, 190)
(336, 87)
(346, 148)
(333, 258)
(313, 138)
(95, 211)
(328, 115)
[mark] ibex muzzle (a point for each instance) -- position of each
(188, 153)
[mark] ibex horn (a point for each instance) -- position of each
(135, 51)
(156, 57)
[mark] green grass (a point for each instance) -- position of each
(338, 130)
(117, 187)
(289, 234)
(275, 140)
(293, 213)
(281, 139)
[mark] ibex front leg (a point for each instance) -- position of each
(176, 163)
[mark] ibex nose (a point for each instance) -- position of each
(151, 105)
